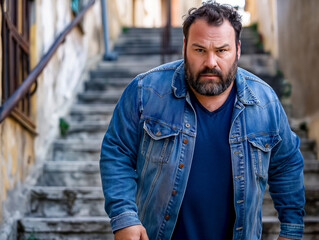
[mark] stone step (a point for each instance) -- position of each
(84, 228)
(307, 144)
(143, 51)
(102, 84)
(311, 207)
(308, 155)
(271, 228)
(91, 112)
(76, 150)
(113, 73)
(259, 64)
(311, 172)
(66, 201)
(247, 32)
(88, 109)
(143, 62)
(301, 133)
(87, 129)
(99, 96)
(70, 174)
(150, 30)
(126, 43)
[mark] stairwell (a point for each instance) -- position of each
(68, 203)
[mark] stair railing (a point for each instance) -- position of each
(166, 34)
(23, 89)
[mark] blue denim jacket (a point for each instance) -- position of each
(148, 149)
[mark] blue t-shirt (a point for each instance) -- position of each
(207, 211)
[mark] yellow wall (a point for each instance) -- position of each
(16, 154)
(18, 147)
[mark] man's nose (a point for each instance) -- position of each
(211, 61)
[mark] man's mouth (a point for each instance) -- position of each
(209, 75)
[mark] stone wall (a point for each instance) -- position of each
(290, 30)
(64, 73)
(20, 150)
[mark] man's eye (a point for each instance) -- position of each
(199, 50)
(221, 50)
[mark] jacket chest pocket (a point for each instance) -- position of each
(158, 141)
(260, 150)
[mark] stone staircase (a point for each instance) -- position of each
(68, 203)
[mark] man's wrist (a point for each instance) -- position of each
(124, 220)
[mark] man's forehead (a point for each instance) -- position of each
(201, 29)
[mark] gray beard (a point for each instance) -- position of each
(210, 87)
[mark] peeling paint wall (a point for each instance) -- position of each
(264, 12)
(16, 156)
(296, 48)
(62, 76)
(57, 86)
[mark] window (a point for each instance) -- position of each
(15, 50)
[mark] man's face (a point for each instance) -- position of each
(210, 57)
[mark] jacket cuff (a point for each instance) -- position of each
(123, 220)
(290, 230)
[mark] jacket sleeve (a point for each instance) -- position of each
(118, 160)
(286, 180)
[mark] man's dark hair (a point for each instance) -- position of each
(215, 14)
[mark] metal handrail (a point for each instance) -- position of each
(18, 95)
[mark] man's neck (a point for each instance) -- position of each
(212, 103)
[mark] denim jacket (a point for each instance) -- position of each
(148, 148)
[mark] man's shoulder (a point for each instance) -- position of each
(262, 90)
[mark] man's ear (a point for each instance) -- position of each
(238, 49)
(184, 46)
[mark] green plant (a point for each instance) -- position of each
(124, 29)
(64, 126)
(31, 237)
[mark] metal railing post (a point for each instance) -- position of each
(108, 56)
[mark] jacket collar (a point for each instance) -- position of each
(178, 82)
(244, 92)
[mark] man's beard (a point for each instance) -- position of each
(210, 87)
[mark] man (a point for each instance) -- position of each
(192, 144)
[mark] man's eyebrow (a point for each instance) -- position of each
(223, 46)
(197, 45)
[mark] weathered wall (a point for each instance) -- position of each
(16, 152)
(265, 13)
(184, 6)
(299, 57)
(57, 84)
(56, 89)
(1, 177)
(299, 52)
(296, 47)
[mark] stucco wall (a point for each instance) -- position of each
(299, 52)
(57, 84)
(299, 58)
(264, 12)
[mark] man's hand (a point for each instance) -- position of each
(136, 232)
(283, 238)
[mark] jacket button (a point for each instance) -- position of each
(266, 145)
(187, 125)
(185, 140)
(166, 217)
(158, 133)
(174, 192)
(181, 165)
